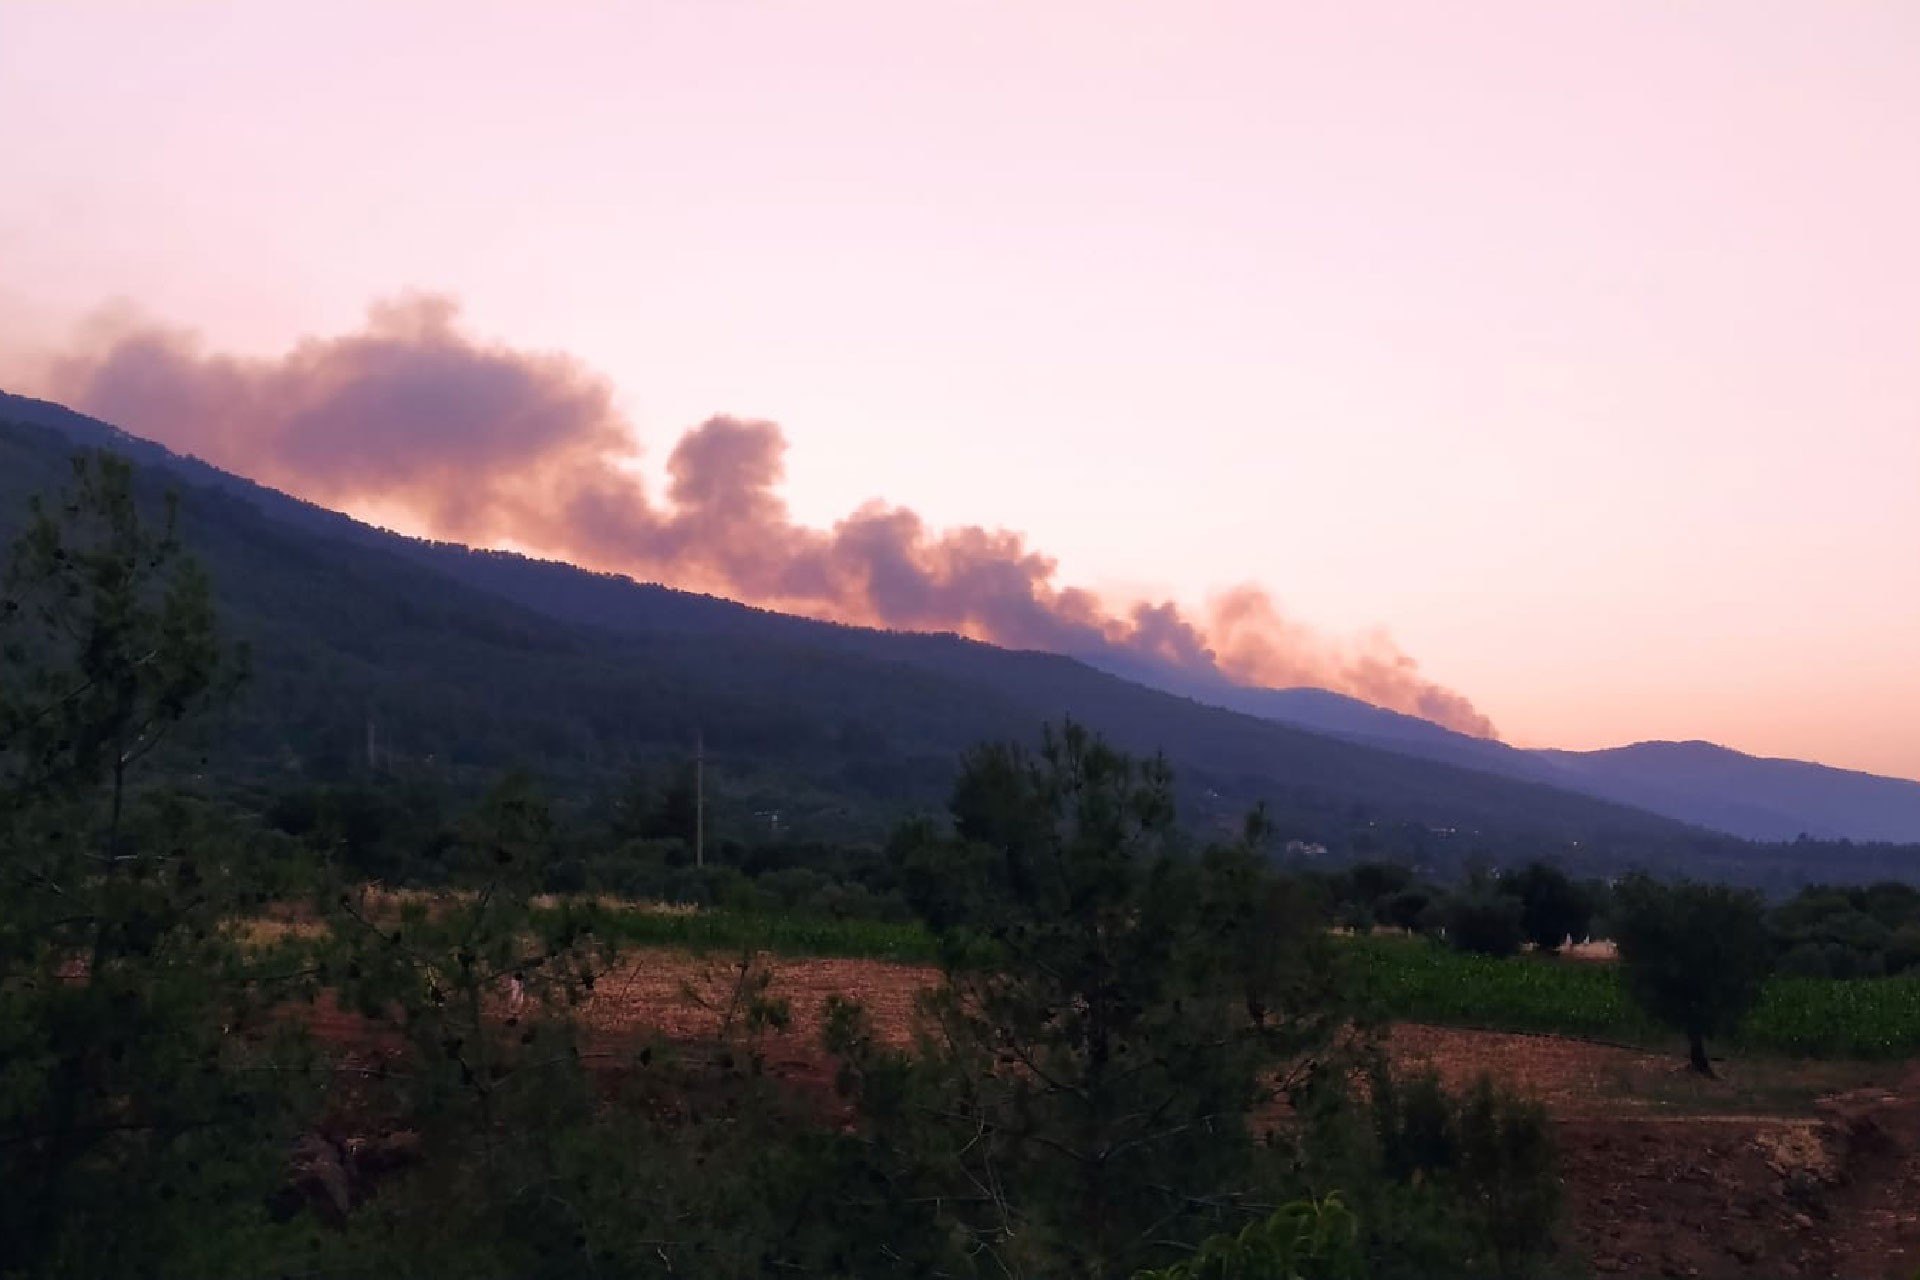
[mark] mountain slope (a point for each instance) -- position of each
(1698, 783)
(1749, 795)
(346, 620)
(469, 661)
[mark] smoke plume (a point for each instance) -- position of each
(485, 444)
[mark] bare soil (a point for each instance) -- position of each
(1777, 1169)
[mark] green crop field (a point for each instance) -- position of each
(779, 934)
(1406, 979)
(1797, 1017)
(1853, 1018)
(1419, 981)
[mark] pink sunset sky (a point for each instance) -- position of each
(1574, 346)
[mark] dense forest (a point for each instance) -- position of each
(405, 667)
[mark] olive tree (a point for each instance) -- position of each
(1695, 956)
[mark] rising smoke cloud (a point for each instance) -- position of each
(487, 444)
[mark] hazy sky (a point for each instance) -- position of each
(1576, 345)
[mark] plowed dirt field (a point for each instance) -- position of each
(1778, 1169)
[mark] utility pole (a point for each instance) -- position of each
(699, 799)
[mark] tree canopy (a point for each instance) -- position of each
(1694, 955)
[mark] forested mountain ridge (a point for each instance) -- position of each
(463, 662)
(1754, 796)
(1699, 783)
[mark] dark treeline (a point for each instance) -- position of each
(639, 842)
(1821, 931)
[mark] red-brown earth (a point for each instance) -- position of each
(1777, 1169)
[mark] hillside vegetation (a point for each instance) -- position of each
(374, 652)
(1131, 1047)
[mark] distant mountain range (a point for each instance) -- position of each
(465, 661)
(1698, 783)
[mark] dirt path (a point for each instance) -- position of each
(1876, 1210)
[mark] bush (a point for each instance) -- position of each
(1552, 907)
(1305, 1240)
(1493, 1151)
(1828, 937)
(1891, 903)
(1357, 916)
(1372, 881)
(1436, 1177)
(1485, 922)
(1410, 909)
(1903, 949)
(791, 888)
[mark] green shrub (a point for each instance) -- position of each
(1436, 1179)
(1305, 1240)
(1903, 949)
(1552, 907)
(1411, 909)
(1485, 1150)
(1485, 922)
